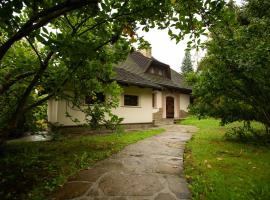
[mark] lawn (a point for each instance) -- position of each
(32, 170)
(219, 169)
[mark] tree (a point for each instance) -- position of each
(233, 81)
(187, 64)
(48, 48)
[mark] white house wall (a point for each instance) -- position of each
(136, 114)
(158, 96)
(131, 114)
(63, 107)
(52, 110)
(184, 102)
(57, 110)
(143, 113)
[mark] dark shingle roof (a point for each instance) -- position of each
(140, 60)
(133, 71)
(123, 76)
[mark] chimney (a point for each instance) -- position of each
(146, 52)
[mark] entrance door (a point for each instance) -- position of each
(169, 107)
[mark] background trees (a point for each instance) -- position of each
(187, 63)
(233, 82)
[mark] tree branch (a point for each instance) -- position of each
(69, 23)
(42, 18)
(39, 102)
(35, 50)
(21, 103)
(107, 20)
(6, 86)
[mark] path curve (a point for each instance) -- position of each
(151, 169)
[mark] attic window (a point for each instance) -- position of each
(131, 100)
(158, 71)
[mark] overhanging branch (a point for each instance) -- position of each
(42, 18)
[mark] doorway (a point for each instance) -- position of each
(169, 107)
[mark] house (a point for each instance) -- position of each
(152, 93)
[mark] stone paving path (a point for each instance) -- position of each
(151, 169)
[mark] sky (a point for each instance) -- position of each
(167, 51)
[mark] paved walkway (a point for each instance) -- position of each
(151, 169)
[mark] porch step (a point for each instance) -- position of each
(161, 122)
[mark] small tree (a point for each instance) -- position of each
(187, 64)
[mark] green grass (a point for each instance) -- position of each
(218, 169)
(32, 170)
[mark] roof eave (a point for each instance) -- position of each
(182, 90)
(138, 84)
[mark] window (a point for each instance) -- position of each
(158, 71)
(97, 98)
(131, 100)
(154, 100)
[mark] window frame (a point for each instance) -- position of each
(131, 95)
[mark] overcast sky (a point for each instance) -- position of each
(167, 50)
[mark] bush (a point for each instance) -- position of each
(248, 134)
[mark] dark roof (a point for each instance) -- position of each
(123, 76)
(133, 72)
(140, 60)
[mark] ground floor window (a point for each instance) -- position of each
(131, 100)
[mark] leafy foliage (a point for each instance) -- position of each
(233, 81)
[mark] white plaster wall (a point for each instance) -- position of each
(184, 102)
(158, 101)
(136, 114)
(52, 110)
(131, 114)
(57, 113)
(63, 107)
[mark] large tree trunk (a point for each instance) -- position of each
(16, 117)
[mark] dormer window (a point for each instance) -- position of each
(158, 71)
